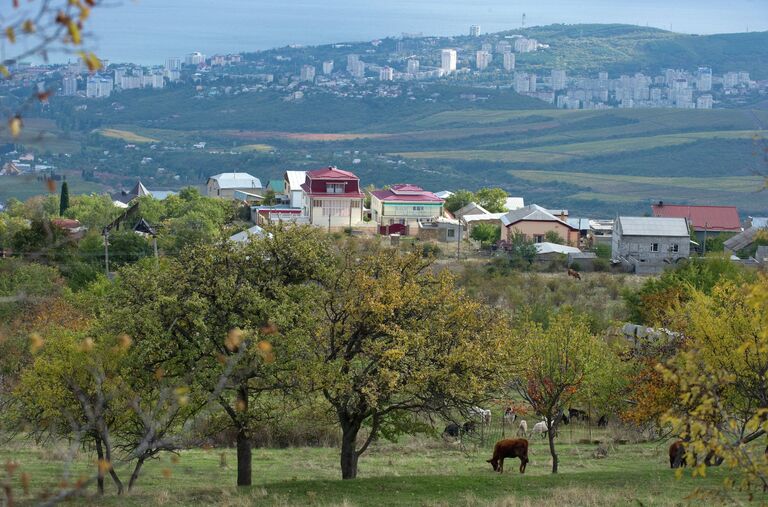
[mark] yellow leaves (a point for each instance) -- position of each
(91, 61)
(104, 466)
(182, 395)
(233, 340)
(124, 342)
(10, 34)
(28, 26)
(74, 32)
(36, 343)
(240, 405)
(87, 345)
(159, 373)
(167, 473)
(4, 71)
(14, 126)
(25, 480)
(265, 351)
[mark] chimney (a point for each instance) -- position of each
(661, 204)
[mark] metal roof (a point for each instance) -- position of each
(245, 236)
(295, 179)
(236, 180)
(701, 218)
(513, 203)
(545, 248)
(531, 212)
(741, 240)
(480, 218)
(654, 226)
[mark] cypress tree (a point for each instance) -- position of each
(64, 200)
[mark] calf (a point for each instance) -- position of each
(522, 429)
(509, 415)
(509, 448)
(677, 450)
(540, 428)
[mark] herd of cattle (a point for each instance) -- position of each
(518, 447)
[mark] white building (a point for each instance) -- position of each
(358, 69)
(509, 61)
(386, 74)
(412, 67)
(503, 47)
(328, 67)
(195, 58)
(224, 185)
(532, 83)
(482, 60)
(448, 60)
(352, 62)
(98, 87)
(522, 83)
(525, 45)
(308, 73)
(558, 79)
(293, 182)
(173, 63)
(704, 102)
(731, 80)
(69, 86)
(704, 79)
(474, 30)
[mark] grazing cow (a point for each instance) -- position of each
(482, 413)
(509, 448)
(540, 428)
(677, 450)
(452, 430)
(509, 415)
(602, 422)
(469, 427)
(573, 273)
(522, 428)
(576, 414)
(565, 419)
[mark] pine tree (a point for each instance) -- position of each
(64, 200)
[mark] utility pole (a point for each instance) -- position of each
(329, 221)
(106, 250)
(704, 248)
(458, 248)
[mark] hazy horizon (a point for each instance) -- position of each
(149, 31)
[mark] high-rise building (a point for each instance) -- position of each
(525, 45)
(328, 67)
(487, 46)
(743, 77)
(352, 62)
(532, 83)
(412, 66)
(704, 102)
(730, 79)
(482, 59)
(448, 60)
(307, 73)
(522, 82)
(704, 79)
(558, 79)
(98, 87)
(509, 61)
(503, 47)
(474, 30)
(173, 63)
(386, 74)
(69, 86)
(358, 69)
(195, 58)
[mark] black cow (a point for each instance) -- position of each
(452, 430)
(602, 422)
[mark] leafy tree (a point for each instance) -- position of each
(458, 200)
(64, 198)
(270, 198)
(394, 342)
(189, 229)
(554, 237)
(10, 226)
(127, 247)
(486, 233)
(521, 250)
(561, 361)
(492, 199)
(93, 211)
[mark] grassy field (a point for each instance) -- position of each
(23, 187)
(126, 135)
(41, 135)
(419, 472)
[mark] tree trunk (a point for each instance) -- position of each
(99, 466)
(135, 474)
(244, 454)
(108, 456)
(551, 437)
(349, 455)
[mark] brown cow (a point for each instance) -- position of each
(573, 273)
(677, 450)
(509, 448)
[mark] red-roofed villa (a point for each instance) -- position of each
(332, 198)
(398, 209)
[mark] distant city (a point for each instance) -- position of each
(386, 68)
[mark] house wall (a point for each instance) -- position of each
(336, 213)
(407, 214)
(532, 229)
(213, 190)
(641, 249)
(320, 185)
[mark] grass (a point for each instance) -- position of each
(260, 148)
(26, 186)
(126, 135)
(417, 472)
(41, 135)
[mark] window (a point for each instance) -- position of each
(674, 248)
(334, 188)
(654, 247)
(538, 238)
(418, 208)
(335, 208)
(451, 233)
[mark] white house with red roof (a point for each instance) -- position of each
(399, 208)
(332, 198)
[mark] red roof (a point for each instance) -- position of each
(66, 223)
(330, 173)
(406, 193)
(307, 191)
(710, 218)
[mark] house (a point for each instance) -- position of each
(551, 251)
(703, 220)
(535, 222)
(292, 187)
(73, 228)
(276, 186)
(472, 221)
(442, 229)
(648, 244)
(444, 194)
(123, 198)
(265, 215)
(332, 198)
(742, 240)
(224, 185)
(471, 209)
(398, 209)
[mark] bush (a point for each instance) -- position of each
(430, 250)
(600, 265)
(575, 266)
(603, 251)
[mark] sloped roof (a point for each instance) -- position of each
(531, 212)
(480, 218)
(545, 248)
(579, 223)
(760, 222)
(653, 226)
(741, 240)
(329, 173)
(295, 178)
(513, 203)
(245, 236)
(710, 218)
(406, 193)
(139, 190)
(236, 180)
(277, 186)
(471, 209)
(444, 194)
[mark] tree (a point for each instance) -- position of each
(64, 198)
(486, 233)
(554, 237)
(492, 199)
(93, 211)
(458, 200)
(224, 314)
(521, 250)
(560, 362)
(394, 343)
(270, 198)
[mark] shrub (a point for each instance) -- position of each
(600, 265)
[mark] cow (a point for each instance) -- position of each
(509, 415)
(602, 422)
(522, 428)
(574, 274)
(576, 414)
(469, 427)
(565, 419)
(509, 448)
(484, 414)
(452, 430)
(540, 428)
(677, 450)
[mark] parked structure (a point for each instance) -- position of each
(535, 222)
(398, 209)
(332, 198)
(224, 185)
(649, 244)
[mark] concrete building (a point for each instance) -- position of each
(195, 58)
(704, 102)
(328, 67)
(69, 86)
(173, 64)
(352, 62)
(503, 47)
(482, 60)
(532, 82)
(293, 180)
(558, 79)
(358, 69)
(509, 61)
(474, 30)
(448, 60)
(398, 209)
(386, 74)
(308, 73)
(535, 222)
(412, 67)
(225, 185)
(98, 87)
(704, 79)
(525, 45)
(522, 82)
(332, 199)
(649, 244)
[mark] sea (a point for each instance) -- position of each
(150, 31)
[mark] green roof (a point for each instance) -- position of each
(277, 186)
